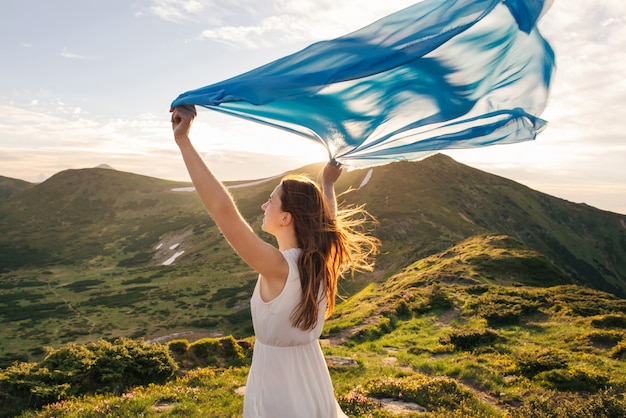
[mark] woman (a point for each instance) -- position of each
(297, 281)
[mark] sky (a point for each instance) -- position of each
(89, 82)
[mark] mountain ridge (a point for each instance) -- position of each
(422, 208)
(483, 282)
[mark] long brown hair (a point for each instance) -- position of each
(330, 245)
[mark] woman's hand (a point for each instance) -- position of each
(182, 118)
(332, 171)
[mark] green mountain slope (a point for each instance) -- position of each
(82, 254)
(81, 215)
(9, 187)
(485, 328)
(107, 216)
(427, 206)
(474, 263)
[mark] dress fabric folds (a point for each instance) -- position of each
(439, 74)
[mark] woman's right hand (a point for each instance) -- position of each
(182, 119)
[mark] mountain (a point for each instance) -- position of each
(422, 208)
(98, 253)
(77, 215)
(9, 187)
(487, 296)
(427, 206)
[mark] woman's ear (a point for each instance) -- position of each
(287, 219)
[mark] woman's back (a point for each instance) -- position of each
(272, 319)
(288, 377)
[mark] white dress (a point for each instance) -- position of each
(289, 377)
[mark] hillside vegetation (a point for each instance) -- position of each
(9, 187)
(439, 339)
(83, 252)
(488, 299)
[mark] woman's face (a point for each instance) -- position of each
(274, 214)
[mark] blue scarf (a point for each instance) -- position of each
(439, 74)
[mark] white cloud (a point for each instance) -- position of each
(284, 27)
(212, 12)
(272, 23)
(144, 145)
(177, 11)
(67, 54)
(71, 140)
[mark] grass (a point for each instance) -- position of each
(199, 393)
(446, 359)
(60, 305)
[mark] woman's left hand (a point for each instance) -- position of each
(332, 171)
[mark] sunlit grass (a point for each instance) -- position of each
(434, 329)
(199, 393)
(535, 360)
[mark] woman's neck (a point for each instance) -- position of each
(287, 239)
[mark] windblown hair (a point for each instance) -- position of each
(331, 246)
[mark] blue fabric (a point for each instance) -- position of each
(439, 74)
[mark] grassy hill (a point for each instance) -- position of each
(82, 254)
(78, 216)
(485, 328)
(9, 187)
(427, 206)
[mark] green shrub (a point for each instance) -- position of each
(402, 309)
(178, 347)
(477, 289)
(502, 306)
(385, 325)
(231, 350)
(432, 297)
(497, 315)
(573, 380)
(430, 392)
(356, 404)
(604, 404)
(585, 302)
(438, 298)
(205, 349)
(532, 362)
(85, 369)
(468, 340)
(604, 338)
(610, 321)
(220, 352)
(198, 377)
(126, 363)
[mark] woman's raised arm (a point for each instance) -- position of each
(258, 254)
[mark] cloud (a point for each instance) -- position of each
(73, 139)
(281, 22)
(214, 12)
(142, 144)
(176, 11)
(67, 54)
(588, 40)
(263, 35)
